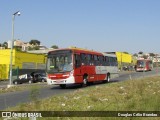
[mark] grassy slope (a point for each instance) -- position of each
(15, 88)
(131, 95)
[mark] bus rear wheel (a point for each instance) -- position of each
(107, 79)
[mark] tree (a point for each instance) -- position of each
(17, 48)
(35, 42)
(152, 54)
(54, 46)
(5, 44)
(145, 56)
(33, 48)
(135, 54)
(140, 52)
(126, 52)
(36, 48)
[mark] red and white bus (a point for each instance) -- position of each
(144, 65)
(79, 66)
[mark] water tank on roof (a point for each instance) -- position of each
(9, 44)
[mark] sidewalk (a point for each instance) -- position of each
(3, 84)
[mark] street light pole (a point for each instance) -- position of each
(12, 43)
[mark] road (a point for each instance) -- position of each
(15, 98)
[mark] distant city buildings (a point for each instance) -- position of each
(25, 46)
(1, 48)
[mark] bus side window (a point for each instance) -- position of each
(95, 60)
(77, 60)
(88, 59)
(107, 61)
(83, 58)
(111, 61)
(98, 60)
(102, 60)
(116, 63)
(92, 60)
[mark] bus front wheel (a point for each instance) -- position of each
(85, 81)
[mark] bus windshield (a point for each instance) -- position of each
(60, 62)
(140, 63)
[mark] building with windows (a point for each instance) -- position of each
(156, 60)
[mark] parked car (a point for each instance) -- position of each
(39, 77)
(23, 79)
(30, 78)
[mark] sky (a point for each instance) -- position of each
(101, 25)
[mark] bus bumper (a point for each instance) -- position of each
(69, 80)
